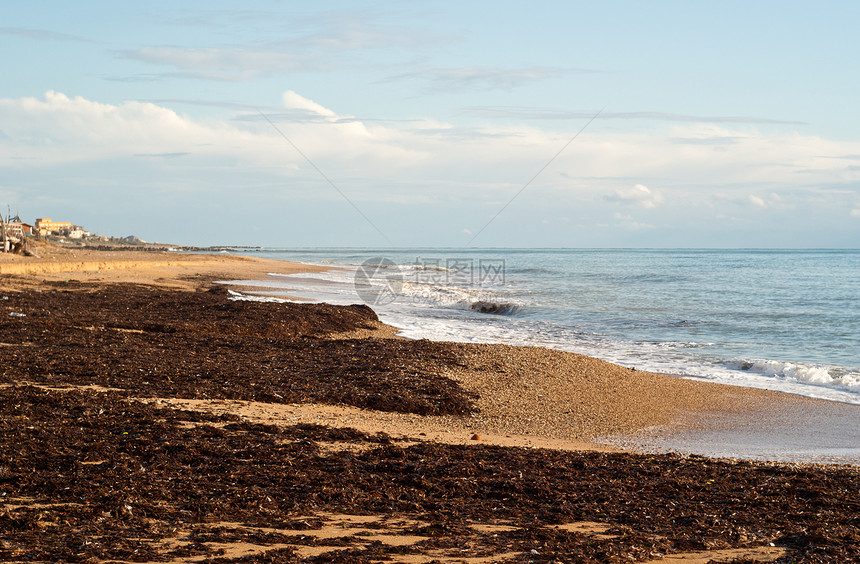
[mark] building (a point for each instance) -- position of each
(18, 228)
(45, 226)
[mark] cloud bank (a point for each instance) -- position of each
(54, 142)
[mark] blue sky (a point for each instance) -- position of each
(721, 124)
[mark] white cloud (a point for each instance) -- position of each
(757, 202)
(485, 78)
(293, 43)
(770, 200)
(855, 212)
(293, 101)
(539, 113)
(236, 64)
(425, 161)
(59, 129)
(41, 34)
(638, 194)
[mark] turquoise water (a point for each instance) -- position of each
(778, 319)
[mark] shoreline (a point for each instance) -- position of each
(524, 395)
(657, 311)
(733, 421)
(163, 269)
(146, 417)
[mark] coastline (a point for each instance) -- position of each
(526, 396)
(161, 269)
(697, 314)
(194, 359)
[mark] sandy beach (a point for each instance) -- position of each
(291, 432)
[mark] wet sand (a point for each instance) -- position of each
(806, 431)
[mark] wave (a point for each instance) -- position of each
(472, 299)
(240, 297)
(537, 270)
(431, 267)
(683, 345)
(496, 308)
(811, 374)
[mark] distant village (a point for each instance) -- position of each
(44, 227)
(15, 234)
(20, 237)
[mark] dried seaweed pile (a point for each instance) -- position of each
(95, 476)
(201, 345)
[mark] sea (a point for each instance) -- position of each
(785, 320)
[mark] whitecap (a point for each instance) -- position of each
(812, 374)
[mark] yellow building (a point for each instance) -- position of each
(45, 226)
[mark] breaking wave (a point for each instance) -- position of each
(811, 374)
(457, 297)
(497, 308)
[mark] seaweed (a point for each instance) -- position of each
(105, 477)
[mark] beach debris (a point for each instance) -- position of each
(100, 476)
(75, 491)
(205, 345)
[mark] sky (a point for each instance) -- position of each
(438, 124)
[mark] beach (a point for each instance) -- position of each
(150, 417)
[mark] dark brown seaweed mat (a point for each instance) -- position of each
(94, 476)
(156, 342)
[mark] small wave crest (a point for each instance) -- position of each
(240, 297)
(815, 375)
(427, 267)
(472, 299)
(496, 308)
(683, 345)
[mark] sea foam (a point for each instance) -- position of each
(815, 375)
(716, 315)
(473, 299)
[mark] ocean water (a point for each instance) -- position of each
(786, 320)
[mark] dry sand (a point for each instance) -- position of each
(166, 269)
